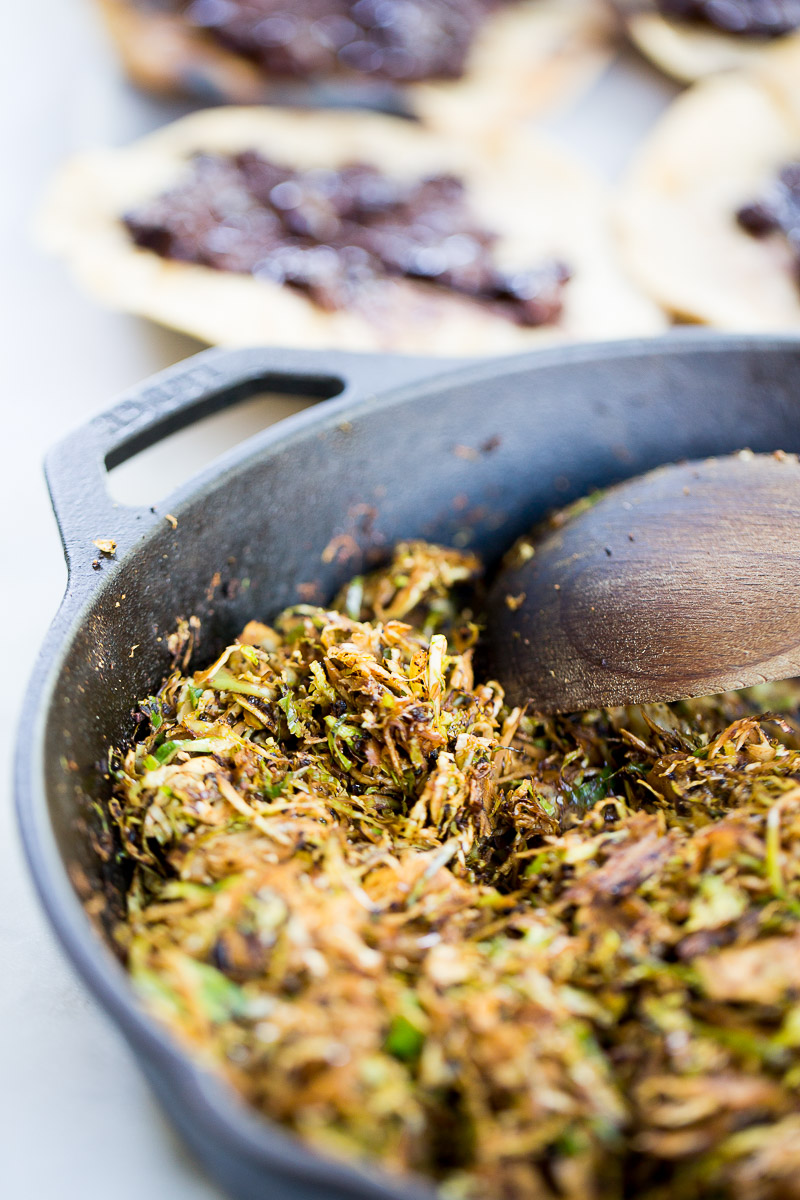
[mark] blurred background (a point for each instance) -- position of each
(76, 1119)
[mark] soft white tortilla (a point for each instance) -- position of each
(690, 52)
(526, 58)
(540, 203)
(717, 148)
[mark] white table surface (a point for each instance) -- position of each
(76, 1119)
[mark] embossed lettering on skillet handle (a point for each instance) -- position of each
(76, 467)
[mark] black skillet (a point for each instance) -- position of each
(465, 454)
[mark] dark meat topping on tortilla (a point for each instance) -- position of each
(778, 211)
(332, 234)
(398, 40)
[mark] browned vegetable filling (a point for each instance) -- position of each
(332, 234)
(534, 958)
(778, 211)
(399, 40)
(750, 18)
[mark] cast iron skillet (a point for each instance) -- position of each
(457, 453)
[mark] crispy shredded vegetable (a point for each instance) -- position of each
(527, 957)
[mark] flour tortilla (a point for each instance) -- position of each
(717, 148)
(525, 59)
(540, 203)
(690, 52)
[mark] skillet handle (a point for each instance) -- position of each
(206, 383)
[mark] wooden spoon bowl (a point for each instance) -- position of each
(681, 582)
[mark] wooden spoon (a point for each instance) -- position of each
(681, 582)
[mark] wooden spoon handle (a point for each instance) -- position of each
(682, 582)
